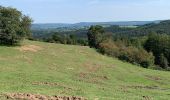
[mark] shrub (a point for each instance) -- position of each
(137, 56)
(163, 61)
(130, 54)
(109, 48)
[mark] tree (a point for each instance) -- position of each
(163, 61)
(26, 25)
(95, 36)
(160, 46)
(14, 26)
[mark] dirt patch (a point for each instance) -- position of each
(31, 48)
(24, 58)
(28, 96)
(111, 66)
(124, 89)
(90, 75)
(146, 97)
(92, 78)
(92, 67)
(52, 84)
(2, 58)
(83, 51)
(153, 77)
(143, 87)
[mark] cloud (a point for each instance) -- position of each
(93, 2)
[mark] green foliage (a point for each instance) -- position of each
(160, 46)
(137, 56)
(163, 62)
(66, 39)
(109, 48)
(121, 48)
(95, 36)
(157, 27)
(115, 30)
(13, 26)
(127, 53)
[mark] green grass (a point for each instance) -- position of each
(78, 71)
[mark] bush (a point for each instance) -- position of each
(163, 61)
(130, 54)
(109, 48)
(66, 39)
(137, 56)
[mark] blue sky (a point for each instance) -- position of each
(72, 11)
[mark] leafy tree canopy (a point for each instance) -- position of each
(14, 26)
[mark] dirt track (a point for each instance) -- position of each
(28, 96)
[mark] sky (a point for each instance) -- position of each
(73, 11)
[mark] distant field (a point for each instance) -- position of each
(65, 70)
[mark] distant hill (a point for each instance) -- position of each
(49, 26)
(116, 28)
(162, 27)
(121, 23)
(88, 24)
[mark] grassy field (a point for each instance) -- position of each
(55, 69)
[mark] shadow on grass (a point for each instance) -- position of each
(9, 45)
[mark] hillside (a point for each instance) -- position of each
(124, 28)
(88, 24)
(80, 29)
(159, 27)
(162, 27)
(66, 70)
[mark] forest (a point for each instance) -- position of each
(146, 45)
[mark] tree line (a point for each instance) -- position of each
(146, 51)
(66, 39)
(117, 31)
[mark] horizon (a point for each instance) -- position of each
(70, 11)
(103, 22)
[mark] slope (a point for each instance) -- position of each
(66, 70)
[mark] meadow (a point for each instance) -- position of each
(67, 70)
